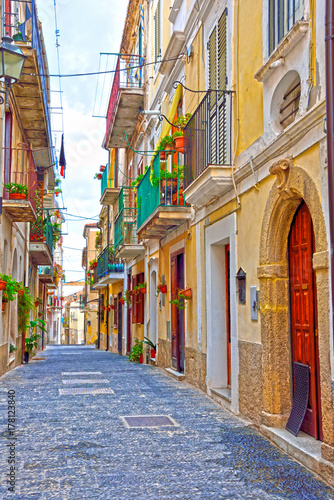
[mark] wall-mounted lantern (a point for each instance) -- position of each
(241, 277)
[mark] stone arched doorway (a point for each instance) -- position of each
(293, 185)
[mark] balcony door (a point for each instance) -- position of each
(8, 146)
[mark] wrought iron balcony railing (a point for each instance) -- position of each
(106, 263)
(161, 188)
(129, 74)
(208, 135)
(41, 230)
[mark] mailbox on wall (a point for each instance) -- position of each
(241, 277)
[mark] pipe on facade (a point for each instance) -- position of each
(329, 48)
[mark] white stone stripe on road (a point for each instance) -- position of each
(82, 390)
(86, 381)
(81, 373)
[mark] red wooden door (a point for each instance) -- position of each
(228, 313)
(303, 312)
(174, 339)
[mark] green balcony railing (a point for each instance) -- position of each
(41, 231)
(105, 181)
(106, 263)
(163, 187)
(125, 228)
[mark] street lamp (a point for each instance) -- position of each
(11, 61)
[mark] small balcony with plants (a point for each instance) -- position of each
(45, 275)
(127, 96)
(109, 193)
(20, 184)
(108, 269)
(208, 149)
(161, 205)
(126, 240)
(42, 239)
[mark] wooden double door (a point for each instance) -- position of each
(303, 312)
(177, 314)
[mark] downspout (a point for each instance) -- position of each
(329, 48)
(99, 323)
(108, 240)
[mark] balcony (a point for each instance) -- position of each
(45, 275)
(19, 199)
(33, 94)
(126, 241)
(109, 270)
(161, 206)
(127, 96)
(41, 240)
(208, 157)
(109, 193)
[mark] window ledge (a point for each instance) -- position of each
(291, 39)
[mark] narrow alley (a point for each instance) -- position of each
(72, 439)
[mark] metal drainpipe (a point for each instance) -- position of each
(329, 47)
(99, 324)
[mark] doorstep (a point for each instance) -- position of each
(177, 375)
(304, 448)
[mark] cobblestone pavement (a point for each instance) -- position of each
(74, 447)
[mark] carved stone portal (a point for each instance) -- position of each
(281, 169)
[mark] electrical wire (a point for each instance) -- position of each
(103, 72)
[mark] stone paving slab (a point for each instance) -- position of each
(77, 447)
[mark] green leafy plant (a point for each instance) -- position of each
(166, 142)
(12, 287)
(179, 302)
(139, 287)
(136, 351)
(31, 342)
(137, 181)
(12, 348)
(14, 187)
(24, 306)
(182, 121)
(127, 297)
(149, 342)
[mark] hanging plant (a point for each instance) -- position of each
(11, 289)
(141, 287)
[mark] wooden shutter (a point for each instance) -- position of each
(212, 46)
(157, 32)
(221, 68)
(134, 300)
(115, 312)
(141, 301)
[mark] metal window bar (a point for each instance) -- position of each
(106, 262)
(282, 15)
(209, 135)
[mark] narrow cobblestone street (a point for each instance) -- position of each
(76, 446)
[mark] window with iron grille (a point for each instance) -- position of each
(137, 300)
(157, 33)
(283, 14)
(290, 103)
(217, 52)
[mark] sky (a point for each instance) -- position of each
(86, 28)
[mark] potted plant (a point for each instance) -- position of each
(57, 191)
(162, 288)
(17, 191)
(127, 296)
(98, 176)
(153, 347)
(136, 353)
(24, 306)
(179, 302)
(141, 287)
(31, 342)
(38, 301)
(102, 168)
(181, 142)
(122, 301)
(186, 293)
(166, 146)
(10, 291)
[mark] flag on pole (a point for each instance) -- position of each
(62, 160)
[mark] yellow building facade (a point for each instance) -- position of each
(236, 218)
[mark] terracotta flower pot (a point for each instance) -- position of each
(108, 308)
(163, 288)
(112, 307)
(187, 293)
(40, 314)
(104, 308)
(95, 264)
(37, 302)
(181, 143)
(102, 168)
(3, 306)
(141, 358)
(122, 301)
(99, 176)
(143, 290)
(3, 284)
(153, 353)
